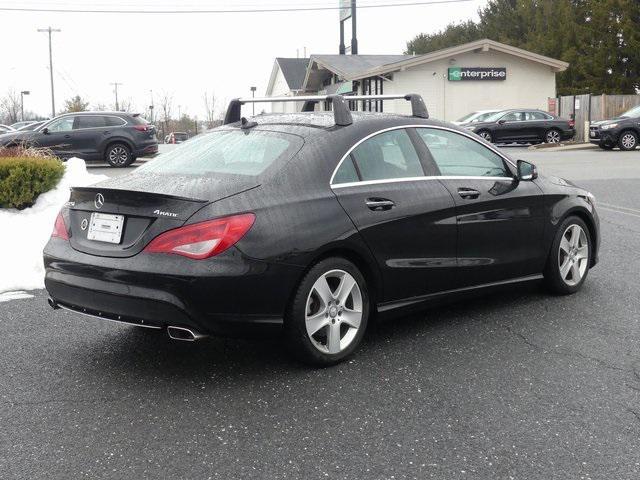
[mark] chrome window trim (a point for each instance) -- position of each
(419, 179)
(408, 179)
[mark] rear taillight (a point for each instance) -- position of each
(572, 123)
(141, 128)
(203, 240)
(60, 228)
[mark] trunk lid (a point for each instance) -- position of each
(147, 204)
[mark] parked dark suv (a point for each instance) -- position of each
(622, 131)
(533, 126)
(117, 138)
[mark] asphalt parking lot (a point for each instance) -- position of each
(517, 385)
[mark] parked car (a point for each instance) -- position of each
(18, 125)
(311, 223)
(32, 126)
(622, 131)
(176, 137)
(534, 126)
(474, 117)
(6, 129)
(117, 138)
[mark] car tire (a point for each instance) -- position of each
(628, 140)
(570, 257)
(552, 135)
(486, 134)
(118, 155)
(323, 326)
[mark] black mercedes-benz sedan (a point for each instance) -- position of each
(310, 224)
(534, 126)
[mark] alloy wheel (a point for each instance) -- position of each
(118, 155)
(486, 135)
(334, 311)
(628, 141)
(553, 136)
(573, 255)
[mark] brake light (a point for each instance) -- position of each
(60, 228)
(141, 128)
(203, 240)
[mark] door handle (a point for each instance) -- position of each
(67, 136)
(379, 204)
(468, 193)
(107, 132)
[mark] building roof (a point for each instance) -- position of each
(484, 45)
(356, 67)
(293, 70)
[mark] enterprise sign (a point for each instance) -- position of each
(458, 74)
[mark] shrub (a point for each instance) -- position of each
(25, 174)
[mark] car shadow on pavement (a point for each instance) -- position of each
(150, 353)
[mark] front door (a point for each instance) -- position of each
(58, 137)
(406, 218)
(500, 219)
(512, 127)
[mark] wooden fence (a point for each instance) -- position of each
(591, 108)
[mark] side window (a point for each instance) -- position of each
(387, 155)
(346, 173)
(62, 125)
(514, 117)
(537, 116)
(458, 155)
(113, 121)
(89, 121)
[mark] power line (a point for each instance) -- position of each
(218, 11)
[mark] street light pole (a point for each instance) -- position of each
(50, 30)
(253, 105)
(22, 94)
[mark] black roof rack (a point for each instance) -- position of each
(341, 111)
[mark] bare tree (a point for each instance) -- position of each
(10, 106)
(126, 105)
(166, 104)
(210, 108)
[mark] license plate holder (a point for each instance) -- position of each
(104, 227)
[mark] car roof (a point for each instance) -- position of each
(120, 114)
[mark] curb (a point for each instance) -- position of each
(563, 147)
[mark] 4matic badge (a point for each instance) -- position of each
(165, 214)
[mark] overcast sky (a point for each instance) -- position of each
(186, 54)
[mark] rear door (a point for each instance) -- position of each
(406, 218)
(88, 133)
(538, 124)
(500, 219)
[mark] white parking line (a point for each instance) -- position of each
(622, 212)
(619, 207)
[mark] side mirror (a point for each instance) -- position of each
(45, 130)
(527, 171)
(501, 122)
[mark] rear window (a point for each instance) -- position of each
(181, 136)
(112, 121)
(233, 152)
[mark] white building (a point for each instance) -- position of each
(479, 75)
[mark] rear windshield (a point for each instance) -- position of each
(234, 152)
(181, 136)
(138, 120)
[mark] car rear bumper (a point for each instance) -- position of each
(232, 295)
(146, 149)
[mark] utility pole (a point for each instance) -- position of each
(354, 36)
(50, 30)
(115, 86)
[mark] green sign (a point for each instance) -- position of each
(459, 74)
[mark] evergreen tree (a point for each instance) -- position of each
(75, 104)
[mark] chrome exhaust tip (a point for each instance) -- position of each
(52, 303)
(183, 334)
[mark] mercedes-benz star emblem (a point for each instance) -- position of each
(84, 224)
(99, 201)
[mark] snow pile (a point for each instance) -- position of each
(24, 233)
